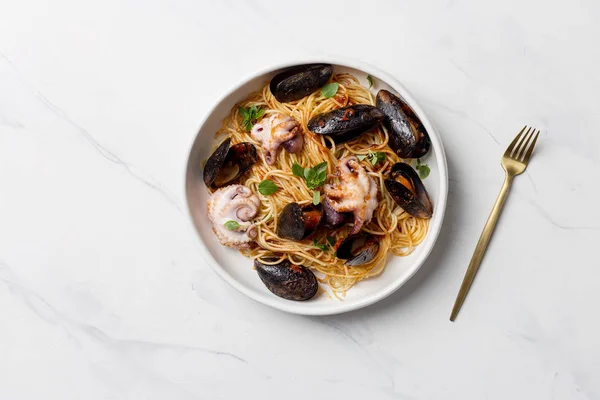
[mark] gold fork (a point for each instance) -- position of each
(514, 161)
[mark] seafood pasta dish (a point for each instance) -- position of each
(318, 181)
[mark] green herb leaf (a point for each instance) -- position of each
(361, 157)
(370, 79)
(310, 174)
(250, 115)
(424, 171)
(314, 177)
(317, 175)
(376, 157)
(321, 167)
(320, 246)
(322, 176)
(372, 158)
(380, 156)
(327, 246)
(298, 170)
(316, 197)
(267, 187)
(330, 89)
(331, 240)
(232, 225)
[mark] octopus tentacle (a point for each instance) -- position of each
(334, 193)
(356, 192)
(233, 203)
(278, 130)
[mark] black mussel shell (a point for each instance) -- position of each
(407, 189)
(299, 81)
(346, 123)
(331, 218)
(358, 249)
(214, 162)
(296, 223)
(228, 163)
(312, 216)
(290, 224)
(408, 136)
(292, 282)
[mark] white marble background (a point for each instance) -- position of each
(103, 294)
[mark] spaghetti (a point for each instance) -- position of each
(397, 231)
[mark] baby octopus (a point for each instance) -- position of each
(275, 130)
(356, 193)
(231, 209)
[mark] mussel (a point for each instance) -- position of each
(284, 279)
(299, 81)
(358, 249)
(228, 163)
(296, 223)
(346, 123)
(407, 189)
(408, 136)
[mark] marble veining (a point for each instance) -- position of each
(104, 294)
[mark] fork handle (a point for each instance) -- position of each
(484, 239)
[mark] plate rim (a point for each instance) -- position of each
(296, 307)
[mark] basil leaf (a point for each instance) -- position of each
(316, 197)
(321, 167)
(331, 240)
(310, 174)
(320, 174)
(424, 171)
(298, 170)
(267, 187)
(321, 177)
(376, 157)
(232, 225)
(320, 246)
(250, 115)
(372, 158)
(379, 157)
(330, 89)
(313, 177)
(361, 157)
(370, 79)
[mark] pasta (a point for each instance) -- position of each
(397, 231)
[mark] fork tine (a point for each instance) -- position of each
(518, 154)
(512, 145)
(530, 150)
(519, 145)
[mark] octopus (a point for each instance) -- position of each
(231, 210)
(278, 130)
(356, 193)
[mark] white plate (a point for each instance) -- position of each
(238, 271)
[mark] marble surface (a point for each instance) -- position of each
(103, 293)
